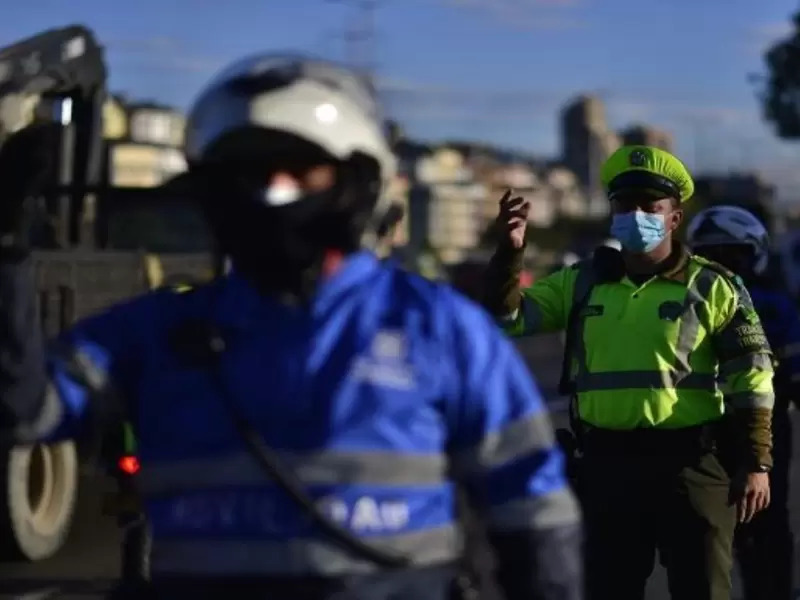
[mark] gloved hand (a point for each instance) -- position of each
(27, 165)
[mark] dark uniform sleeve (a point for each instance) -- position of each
(47, 396)
(541, 308)
(746, 368)
(505, 453)
(501, 295)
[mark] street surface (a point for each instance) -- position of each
(89, 563)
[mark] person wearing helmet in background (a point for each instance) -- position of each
(301, 421)
(736, 239)
(648, 330)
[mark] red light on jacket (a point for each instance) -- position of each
(129, 465)
(526, 279)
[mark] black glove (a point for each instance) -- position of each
(27, 165)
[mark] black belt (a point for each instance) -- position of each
(651, 441)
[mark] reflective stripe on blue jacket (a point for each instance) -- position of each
(378, 394)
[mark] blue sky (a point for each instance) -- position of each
(493, 70)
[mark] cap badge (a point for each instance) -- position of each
(637, 158)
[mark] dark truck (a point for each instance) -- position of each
(94, 245)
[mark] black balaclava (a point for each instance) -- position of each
(281, 248)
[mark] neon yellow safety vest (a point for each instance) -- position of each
(652, 355)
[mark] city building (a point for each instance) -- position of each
(644, 135)
(587, 141)
(565, 193)
(115, 119)
(144, 143)
(445, 205)
(526, 182)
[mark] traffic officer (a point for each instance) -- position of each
(735, 238)
(647, 330)
(300, 421)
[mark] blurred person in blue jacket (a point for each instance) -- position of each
(304, 421)
(736, 239)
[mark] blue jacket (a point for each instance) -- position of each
(781, 321)
(380, 394)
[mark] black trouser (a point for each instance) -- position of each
(433, 583)
(648, 491)
(765, 546)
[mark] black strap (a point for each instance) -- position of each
(606, 265)
(566, 385)
(201, 341)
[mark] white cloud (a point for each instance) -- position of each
(161, 53)
(709, 136)
(760, 37)
(526, 14)
(425, 102)
(623, 111)
(631, 111)
(418, 98)
(772, 31)
(428, 113)
(427, 92)
(518, 5)
(151, 44)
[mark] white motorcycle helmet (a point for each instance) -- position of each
(317, 101)
(612, 243)
(730, 225)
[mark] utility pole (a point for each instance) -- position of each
(360, 38)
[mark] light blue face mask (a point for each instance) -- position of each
(639, 231)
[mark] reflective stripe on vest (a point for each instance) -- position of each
(680, 375)
(748, 362)
(225, 557)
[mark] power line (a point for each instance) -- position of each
(360, 36)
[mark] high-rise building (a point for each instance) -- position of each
(644, 135)
(586, 141)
